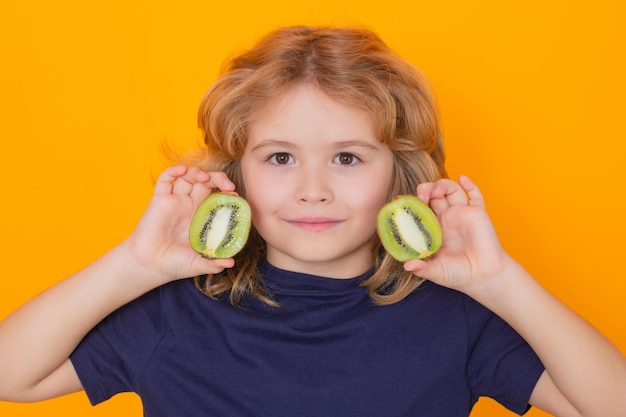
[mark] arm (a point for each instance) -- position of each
(37, 339)
(585, 374)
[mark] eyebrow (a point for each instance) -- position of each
(357, 143)
(289, 145)
(272, 142)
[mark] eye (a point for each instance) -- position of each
(346, 158)
(280, 158)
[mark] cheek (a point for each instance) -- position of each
(372, 191)
(263, 197)
(367, 198)
(262, 191)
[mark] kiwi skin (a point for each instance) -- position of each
(409, 216)
(235, 236)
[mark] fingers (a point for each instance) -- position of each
(442, 194)
(445, 193)
(472, 190)
(186, 183)
(193, 181)
(212, 266)
(221, 181)
(166, 179)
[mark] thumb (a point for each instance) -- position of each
(426, 269)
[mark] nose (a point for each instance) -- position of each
(315, 186)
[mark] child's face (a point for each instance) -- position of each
(316, 176)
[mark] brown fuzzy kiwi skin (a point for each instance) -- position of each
(426, 221)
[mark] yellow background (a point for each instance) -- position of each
(531, 95)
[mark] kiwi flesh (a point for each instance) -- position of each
(220, 226)
(408, 228)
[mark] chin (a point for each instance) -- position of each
(323, 258)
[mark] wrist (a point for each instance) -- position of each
(135, 275)
(501, 287)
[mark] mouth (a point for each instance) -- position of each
(315, 224)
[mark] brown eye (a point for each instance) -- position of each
(281, 158)
(345, 158)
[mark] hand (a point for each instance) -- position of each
(470, 254)
(160, 243)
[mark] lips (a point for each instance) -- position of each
(315, 224)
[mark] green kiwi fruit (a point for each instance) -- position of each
(408, 228)
(220, 226)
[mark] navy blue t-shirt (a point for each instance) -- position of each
(327, 351)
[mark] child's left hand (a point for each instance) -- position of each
(471, 253)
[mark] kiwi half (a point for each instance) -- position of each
(408, 228)
(220, 226)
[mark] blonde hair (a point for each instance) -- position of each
(353, 66)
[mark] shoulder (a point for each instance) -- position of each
(451, 312)
(445, 301)
(148, 316)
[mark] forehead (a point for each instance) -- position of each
(306, 109)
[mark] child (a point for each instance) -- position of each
(317, 128)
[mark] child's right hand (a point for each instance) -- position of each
(160, 243)
(158, 251)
